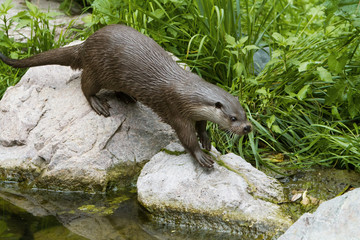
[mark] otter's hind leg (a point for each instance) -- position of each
(202, 134)
(187, 136)
(90, 87)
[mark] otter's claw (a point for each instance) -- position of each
(204, 159)
(101, 108)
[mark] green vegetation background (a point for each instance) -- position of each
(304, 105)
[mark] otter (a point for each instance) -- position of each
(119, 58)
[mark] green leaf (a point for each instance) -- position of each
(291, 41)
(289, 90)
(324, 74)
(317, 11)
(87, 19)
(304, 65)
(172, 32)
(277, 53)
(239, 68)
(2, 44)
(236, 53)
(335, 112)
(276, 128)
(249, 48)
(5, 7)
(270, 121)
(273, 61)
(188, 16)
(230, 40)
(336, 65)
(14, 55)
(303, 92)
(242, 41)
(24, 22)
(52, 14)
(32, 8)
(158, 13)
(261, 91)
(278, 38)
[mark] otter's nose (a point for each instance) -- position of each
(247, 128)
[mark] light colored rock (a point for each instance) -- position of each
(336, 219)
(50, 134)
(237, 198)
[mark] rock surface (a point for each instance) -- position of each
(50, 135)
(336, 219)
(229, 198)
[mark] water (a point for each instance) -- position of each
(47, 215)
(39, 214)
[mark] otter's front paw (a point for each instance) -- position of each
(204, 159)
(205, 141)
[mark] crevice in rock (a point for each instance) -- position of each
(38, 120)
(12, 143)
(112, 136)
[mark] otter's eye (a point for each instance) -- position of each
(233, 119)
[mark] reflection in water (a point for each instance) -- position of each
(38, 214)
(15, 223)
(47, 215)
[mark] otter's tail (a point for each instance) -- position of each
(66, 56)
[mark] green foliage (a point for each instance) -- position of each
(41, 37)
(311, 86)
(73, 7)
(168, 22)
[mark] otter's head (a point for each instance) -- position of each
(214, 104)
(231, 116)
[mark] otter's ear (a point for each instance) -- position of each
(218, 105)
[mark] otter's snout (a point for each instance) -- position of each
(241, 129)
(247, 128)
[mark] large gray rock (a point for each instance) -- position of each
(336, 219)
(50, 135)
(233, 197)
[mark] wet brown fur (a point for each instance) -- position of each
(120, 58)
